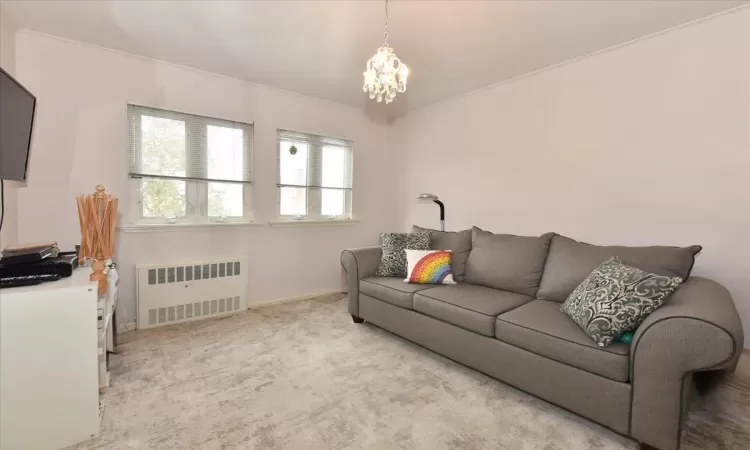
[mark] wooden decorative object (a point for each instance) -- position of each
(97, 215)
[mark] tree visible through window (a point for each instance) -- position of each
(189, 168)
(163, 151)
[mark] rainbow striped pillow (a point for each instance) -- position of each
(429, 267)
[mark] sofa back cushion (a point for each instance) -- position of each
(570, 262)
(508, 262)
(459, 242)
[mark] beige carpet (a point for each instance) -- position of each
(303, 376)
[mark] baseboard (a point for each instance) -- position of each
(300, 298)
(125, 327)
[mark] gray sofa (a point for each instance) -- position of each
(504, 319)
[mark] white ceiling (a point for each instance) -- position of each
(319, 48)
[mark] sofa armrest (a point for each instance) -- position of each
(359, 263)
(697, 329)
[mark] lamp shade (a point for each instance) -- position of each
(434, 198)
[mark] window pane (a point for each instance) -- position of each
(334, 166)
(293, 165)
(163, 198)
(225, 199)
(332, 202)
(292, 201)
(226, 153)
(163, 146)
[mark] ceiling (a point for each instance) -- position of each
(319, 48)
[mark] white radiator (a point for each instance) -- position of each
(175, 293)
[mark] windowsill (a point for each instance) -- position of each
(159, 227)
(312, 223)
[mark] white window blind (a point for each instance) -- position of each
(314, 176)
(189, 168)
(171, 145)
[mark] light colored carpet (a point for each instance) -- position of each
(303, 376)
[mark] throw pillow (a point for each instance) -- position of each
(626, 338)
(429, 267)
(459, 242)
(393, 260)
(616, 298)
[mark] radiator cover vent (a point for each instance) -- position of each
(175, 293)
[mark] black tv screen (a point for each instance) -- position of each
(16, 120)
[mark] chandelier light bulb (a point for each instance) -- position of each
(385, 74)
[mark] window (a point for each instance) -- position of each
(187, 168)
(314, 176)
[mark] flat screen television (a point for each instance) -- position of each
(16, 121)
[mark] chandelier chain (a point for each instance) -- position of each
(386, 23)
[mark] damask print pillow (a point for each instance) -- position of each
(393, 260)
(616, 298)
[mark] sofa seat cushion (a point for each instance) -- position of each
(540, 327)
(468, 306)
(392, 290)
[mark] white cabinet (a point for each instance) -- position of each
(50, 358)
(106, 316)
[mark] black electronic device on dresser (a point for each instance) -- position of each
(61, 265)
(31, 255)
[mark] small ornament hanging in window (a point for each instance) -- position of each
(293, 150)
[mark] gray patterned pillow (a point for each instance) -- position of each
(616, 298)
(393, 261)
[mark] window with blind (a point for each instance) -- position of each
(314, 176)
(188, 168)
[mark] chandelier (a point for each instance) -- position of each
(386, 74)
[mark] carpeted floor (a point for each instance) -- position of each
(303, 376)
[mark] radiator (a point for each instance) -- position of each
(175, 293)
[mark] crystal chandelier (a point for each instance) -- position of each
(386, 74)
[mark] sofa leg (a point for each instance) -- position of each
(706, 380)
(647, 447)
(357, 319)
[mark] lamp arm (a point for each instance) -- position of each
(442, 214)
(442, 209)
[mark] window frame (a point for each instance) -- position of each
(196, 189)
(314, 188)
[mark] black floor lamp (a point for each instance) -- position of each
(435, 199)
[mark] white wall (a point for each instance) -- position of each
(80, 140)
(9, 231)
(645, 144)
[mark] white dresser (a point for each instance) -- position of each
(53, 344)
